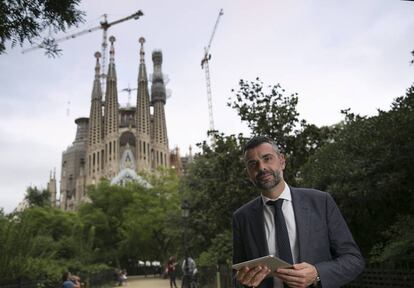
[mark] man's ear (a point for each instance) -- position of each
(282, 160)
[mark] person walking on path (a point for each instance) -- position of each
(171, 270)
(189, 269)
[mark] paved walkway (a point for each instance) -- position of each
(148, 282)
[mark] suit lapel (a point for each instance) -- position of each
(302, 218)
(258, 227)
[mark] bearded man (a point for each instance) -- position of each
(303, 227)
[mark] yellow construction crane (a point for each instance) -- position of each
(104, 25)
(204, 65)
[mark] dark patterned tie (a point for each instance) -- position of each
(282, 235)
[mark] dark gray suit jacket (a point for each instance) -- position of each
(324, 238)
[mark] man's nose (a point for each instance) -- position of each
(260, 166)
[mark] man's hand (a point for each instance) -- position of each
(252, 276)
(300, 276)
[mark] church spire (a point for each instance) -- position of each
(111, 116)
(143, 114)
(95, 115)
(111, 97)
(158, 99)
(94, 154)
(141, 51)
(159, 128)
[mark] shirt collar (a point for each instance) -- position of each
(286, 195)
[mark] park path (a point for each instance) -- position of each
(148, 282)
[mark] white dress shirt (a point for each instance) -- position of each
(269, 220)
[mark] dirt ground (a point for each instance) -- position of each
(149, 282)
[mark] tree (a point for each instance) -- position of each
(131, 222)
(106, 215)
(25, 20)
(215, 186)
(35, 197)
(150, 232)
(399, 248)
(368, 169)
(40, 243)
(268, 111)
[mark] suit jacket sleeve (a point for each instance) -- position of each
(346, 261)
(238, 255)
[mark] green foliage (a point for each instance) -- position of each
(368, 169)
(24, 20)
(17, 245)
(35, 197)
(117, 227)
(43, 243)
(268, 111)
(364, 162)
(215, 186)
(131, 223)
(219, 250)
(399, 247)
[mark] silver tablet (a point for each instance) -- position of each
(270, 261)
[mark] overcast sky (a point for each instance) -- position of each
(334, 54)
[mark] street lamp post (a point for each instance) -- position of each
(185, 213)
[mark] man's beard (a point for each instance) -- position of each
(268, 185)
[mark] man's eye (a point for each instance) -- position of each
(251, 164)
(267, 158)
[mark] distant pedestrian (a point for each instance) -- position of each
(189, 269)
(70, 281)
(121, 277)
(171, 270)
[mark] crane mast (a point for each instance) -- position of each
(205, 66)
(104, 25)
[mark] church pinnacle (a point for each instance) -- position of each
(95, 138)
(111, 120)
(143, 119)
(159, 126)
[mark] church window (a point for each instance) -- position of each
(114, 150)
(102, 159)
(97, 161)
(93, 163)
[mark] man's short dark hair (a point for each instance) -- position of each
(257, 140)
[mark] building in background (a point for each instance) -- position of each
(116, 142)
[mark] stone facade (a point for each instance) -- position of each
(117, 142)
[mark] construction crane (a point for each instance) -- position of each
(204, 65)
(104, 25)
(129, 90)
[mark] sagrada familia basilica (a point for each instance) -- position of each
(116, 142)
